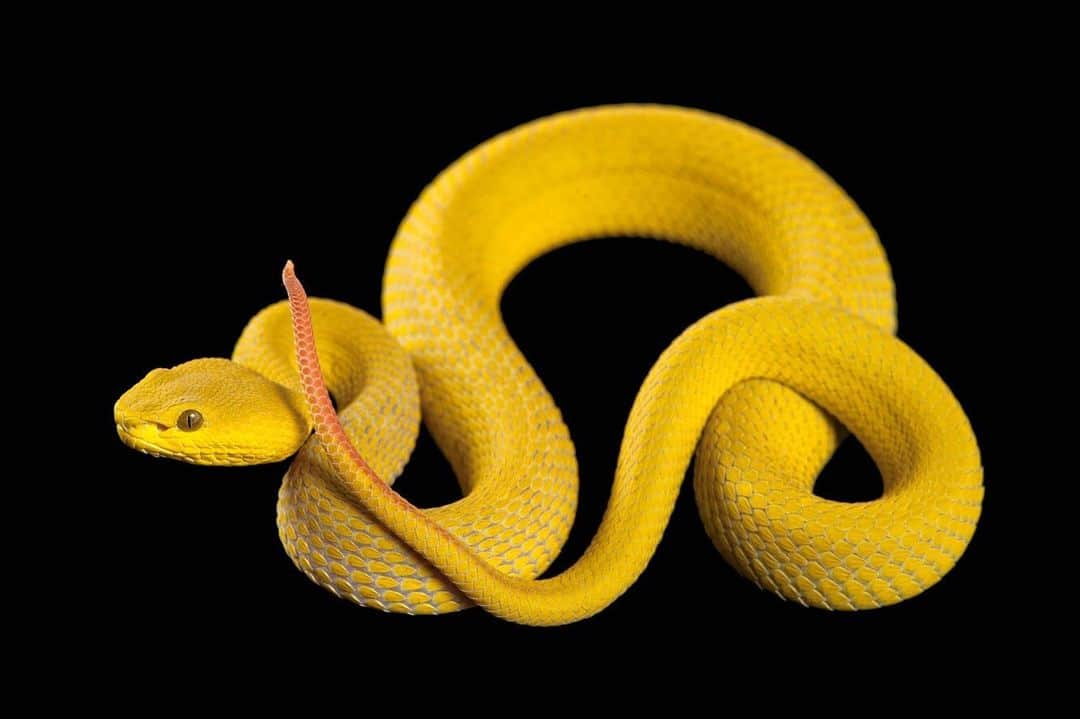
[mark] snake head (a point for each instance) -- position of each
(212, 411)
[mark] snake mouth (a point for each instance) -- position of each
(207, 458)
(136, 442)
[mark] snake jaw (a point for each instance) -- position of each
(145, 435)
(141, 433)
(134, 436)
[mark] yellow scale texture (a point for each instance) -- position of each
(737, 386)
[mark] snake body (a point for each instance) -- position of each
(753, 387)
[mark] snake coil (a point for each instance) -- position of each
(753, 387)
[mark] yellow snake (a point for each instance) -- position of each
(744, 386)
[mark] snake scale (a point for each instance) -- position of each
(753, 388)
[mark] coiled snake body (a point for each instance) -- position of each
(744, 386)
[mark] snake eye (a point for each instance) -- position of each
(190, 420)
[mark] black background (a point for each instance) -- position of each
(206, 178)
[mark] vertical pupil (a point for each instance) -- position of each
(189, 418)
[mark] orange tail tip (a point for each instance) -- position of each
(327, 426)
